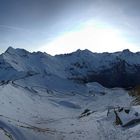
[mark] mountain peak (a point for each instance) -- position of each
(82, 52)
(17, 51)
(85, 50)
(126, 51)
(10, 49)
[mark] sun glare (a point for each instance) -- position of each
(94, 38)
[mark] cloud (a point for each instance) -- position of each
(35, 22)
(15, 28)
(90, 36)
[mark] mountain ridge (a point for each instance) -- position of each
(117, 69)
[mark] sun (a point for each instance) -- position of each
(92, 37)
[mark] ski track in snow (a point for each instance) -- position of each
(13, 131)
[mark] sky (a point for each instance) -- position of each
(63, 26)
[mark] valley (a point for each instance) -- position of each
(42, 99)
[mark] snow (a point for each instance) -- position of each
(59, 112)
(39, 102)
(79, 63)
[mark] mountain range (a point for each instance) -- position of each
(119, 69)
(71, 96)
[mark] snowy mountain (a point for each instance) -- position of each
(109, 69)
(66, 97)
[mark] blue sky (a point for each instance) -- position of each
(61, 26)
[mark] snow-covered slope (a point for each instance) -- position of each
(109, 69)
(39, 100)
(29, 110)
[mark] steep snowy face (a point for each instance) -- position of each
(36, 62)
(109, 69)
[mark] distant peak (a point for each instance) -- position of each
(126, 51)
(85, 50)
(78, 50)
(9, 49)
(18, 51)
